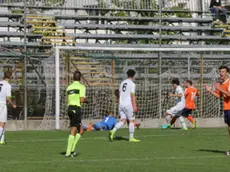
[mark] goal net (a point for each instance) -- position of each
(103, 68)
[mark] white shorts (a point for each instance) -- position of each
(175, 110)
(126, 112)
(3, 113)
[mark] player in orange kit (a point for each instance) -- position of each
(190, 105)
(223, 90)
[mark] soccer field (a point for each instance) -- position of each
(171, 150)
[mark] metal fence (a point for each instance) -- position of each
(192, 5)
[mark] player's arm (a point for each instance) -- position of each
(226, 93)
(11, 102)
(175, 95)
(211, 91)
(133, 99)
(82, 95)
(8, 98)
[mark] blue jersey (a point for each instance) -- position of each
(109, 122)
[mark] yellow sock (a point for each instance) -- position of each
(77, 137)
(70, 144)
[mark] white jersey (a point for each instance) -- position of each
(126, 88)
(5, 91)
(180, 100)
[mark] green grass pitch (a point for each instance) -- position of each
(172, 150)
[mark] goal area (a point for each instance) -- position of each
(104, 67)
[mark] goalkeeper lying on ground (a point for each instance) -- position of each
(108, 123)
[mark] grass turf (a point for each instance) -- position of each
(200, 150)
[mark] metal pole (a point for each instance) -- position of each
(159, 61)
(57, 90)
(201, 84)
(25, 69)
(189, 70)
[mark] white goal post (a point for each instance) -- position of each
(108, 48)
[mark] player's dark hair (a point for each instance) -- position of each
(189, 81)
(7, 75)
(224, 67)
(176, 81)
(77, 76)
(131, 73)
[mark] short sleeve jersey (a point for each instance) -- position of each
(179, 90)
(127, 87)
(225, 86)
(75, 91)
(5, 91)
(190, 96)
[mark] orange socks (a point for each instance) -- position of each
(190, 118)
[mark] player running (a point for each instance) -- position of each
(5, 94)
(190, 96)
(76, 96)
(127, 106)
(180, 104)
(223, 90)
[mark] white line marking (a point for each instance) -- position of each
(106, 138)
(75, 160)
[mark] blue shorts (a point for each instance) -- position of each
(227, 117)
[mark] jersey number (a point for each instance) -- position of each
(124, 87)
(193, 95)
(106, 119)
(1, 87)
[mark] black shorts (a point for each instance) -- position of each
(74, 113)
(227, 117)
(186, 112)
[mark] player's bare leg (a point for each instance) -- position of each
(113, 131)
(2, 131)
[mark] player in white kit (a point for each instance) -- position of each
(127, 106)
(5, 94)
(180, 105)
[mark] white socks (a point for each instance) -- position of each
(131, 130)
(3, 136)
(118, 125)
(182, 122)
(1, 133)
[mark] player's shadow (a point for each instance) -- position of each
(121, 138)
(213, 151)
(77, 153)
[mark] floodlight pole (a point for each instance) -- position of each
(25, 68)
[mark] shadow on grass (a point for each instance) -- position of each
(121, 138)
(213, 151)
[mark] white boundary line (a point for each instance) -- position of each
(106, 138)
(76, 160)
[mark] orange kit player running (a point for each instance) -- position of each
(190, 105)
(223, 90)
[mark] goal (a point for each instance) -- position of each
(104, 67)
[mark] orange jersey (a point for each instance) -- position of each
(225, 86)
(190, 95)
